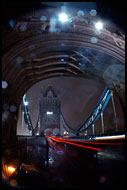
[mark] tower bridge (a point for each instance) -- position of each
(46, 40)
(51, 120)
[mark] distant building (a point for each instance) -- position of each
(50, 119)
(49, 113)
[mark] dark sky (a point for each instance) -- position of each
(111, 10)
(78, 98)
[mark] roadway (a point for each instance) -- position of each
(70, 163)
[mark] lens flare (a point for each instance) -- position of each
(98, 25)
(63, 17)
(93, 12)
(11, 169)
(94, 39)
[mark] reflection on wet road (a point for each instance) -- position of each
(59, 164)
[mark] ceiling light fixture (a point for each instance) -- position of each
(98, 25)
(63, 17)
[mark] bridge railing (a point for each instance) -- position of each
(94, 116)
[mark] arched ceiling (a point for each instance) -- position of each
(35, 49)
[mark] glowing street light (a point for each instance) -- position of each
(49, 112)
(63, 17)
(98, 25)
(26, 103)
(11, 169)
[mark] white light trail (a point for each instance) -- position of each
(110, 137)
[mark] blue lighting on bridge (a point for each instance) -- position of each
(59, 152)
(96, 113)
(62, 60)
(12, 23)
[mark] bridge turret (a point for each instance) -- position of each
(49, 111)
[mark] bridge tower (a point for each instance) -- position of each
(49, 113)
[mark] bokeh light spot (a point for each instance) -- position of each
(80, 13)
(4, 84)
(59, 152)
(13, 182)
(94, 39)
(98, 25)
(19, 59)
(93, 12)
(43, 18)
(5, 115)
(97, 32)
(13, 108)
(63, 17)
(23, 27)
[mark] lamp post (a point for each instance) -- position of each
(114, 110)
(102, 123)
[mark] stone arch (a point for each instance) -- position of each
(36, 53)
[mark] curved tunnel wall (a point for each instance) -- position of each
(37, 53)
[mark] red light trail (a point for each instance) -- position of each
(92, 142)
(75, 144)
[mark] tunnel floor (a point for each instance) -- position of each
(68, 166)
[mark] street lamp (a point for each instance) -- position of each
(63, 17)
(26, 103)
(98, 25)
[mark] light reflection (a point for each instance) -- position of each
(97, 32)
(23, 27)
(43, 18)
(93, 12)
(12, 23)
(11, 169)
(63, 17)
(13, 182)
(75, 144)
(19, 59)
(98, 25)
(13, 108)
(5, 115)
(80, 13)
(94, 39)
(59, 152)
(4, 84)
(110, 137)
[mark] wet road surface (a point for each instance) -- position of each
(63, 165)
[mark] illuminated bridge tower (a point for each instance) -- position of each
(49, 113)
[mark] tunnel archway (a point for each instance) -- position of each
(32, 52)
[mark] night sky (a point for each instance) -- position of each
(112, 12)
(78, 98)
